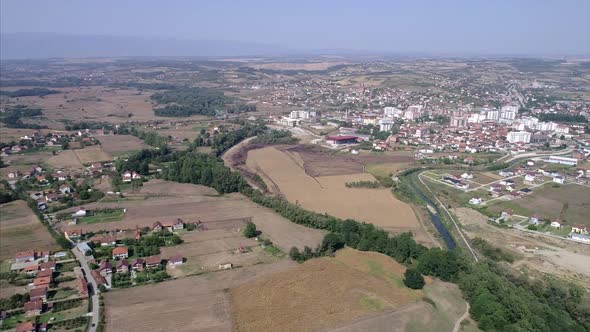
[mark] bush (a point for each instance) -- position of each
(413, 279)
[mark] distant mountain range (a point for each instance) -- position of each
(49, 45)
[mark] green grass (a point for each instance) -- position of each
(371, 303)
(12, 321)
(4, 266)
(273, 250)
(62, 294)
(377, 269)
(102, 217)
(44, 318)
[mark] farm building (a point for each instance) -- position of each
(348, 139)
(561, 160)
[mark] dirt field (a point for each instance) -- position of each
(188, 304)
(223, 212)
(547, 255)
(20, 230)
(120, 143)
(322, 293)
(65, 159)
(161, 187)
(95, 104)
(92, 154)
(284, 172)
(205, 250)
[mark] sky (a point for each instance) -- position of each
(532, 27)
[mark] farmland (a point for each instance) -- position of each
(117, 144)
(568, 202)
(76, 159)
(196, 303)
(196, 203)
(20, 230)
(349, 291)
(285, 173)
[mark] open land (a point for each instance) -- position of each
(114, 144)
(353, 291)
(198, 303)
(216, 212)
(20, 230)
(570, 203)
(288, 171)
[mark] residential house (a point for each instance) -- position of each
(176, 260)
(47, 266)
(475, 201)
(535, 220)
(105, 268)
(32, 269)
(580, 229)
(506, 173)
(559, 179)
(153, 262)
(467, 176)
(73, 234)
(120, 252)
(129, 176)
(82, 287)
(529, 177)
(225, 266)
(65, 189)
(25, 256)
(80, 213)
(51, 197)
(100, 280)
(137, 264)
(157, 226)
(33, 308)
(42, 281)
(556, 224)
(580, 237)
(38, 293)
(105, 241)
(122, 266)
(26, 327)
(44, 273)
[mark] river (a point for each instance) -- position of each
(435, 218)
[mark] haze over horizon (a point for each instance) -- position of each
(62, 28)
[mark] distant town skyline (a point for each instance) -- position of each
(456, 27)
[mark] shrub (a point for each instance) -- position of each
(250, 230)
(413, 279)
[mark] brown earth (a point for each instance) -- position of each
(92, 154)
(224, 212)
(328, 194)
(197, 303)
(543, 254)
(120, 143)
(65, 159)
(20, 230)
(322, 293)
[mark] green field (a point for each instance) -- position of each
(102, 217)
(570, 203)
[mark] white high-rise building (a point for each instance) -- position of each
(508, 113)
(385, 125)
(493, 115)
(545, 126)
(306, 115)
(392, 112)
(518, 137)
(529, 121)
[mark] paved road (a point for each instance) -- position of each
(95, 306)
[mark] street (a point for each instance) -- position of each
(94, 295)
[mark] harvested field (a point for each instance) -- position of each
(187, 304)
(225, 212)
(92, 154)
(65, 159)
(322, 293)
(120, 143)
(95, 104)
(205, 250)
(20, 230)
(328, 194)
(162, 187)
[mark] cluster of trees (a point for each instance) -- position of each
(12, 117)
(150, 245)
(363, 184)
(29, 92)
(250, 230)
(491, 252)
(196, 101)
(562, 117)
(154, 274)
(502, 301)
(498, 167)
(146, 86)
(413, 279)
(275, 137)
(13, 302)
(200, 168)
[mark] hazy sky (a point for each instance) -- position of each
(432, 26)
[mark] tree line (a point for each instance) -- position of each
(187, 101)
(29, 92)
(562, 117)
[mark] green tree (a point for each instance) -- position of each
(413, 279)
(250, 230)
(294, 254)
